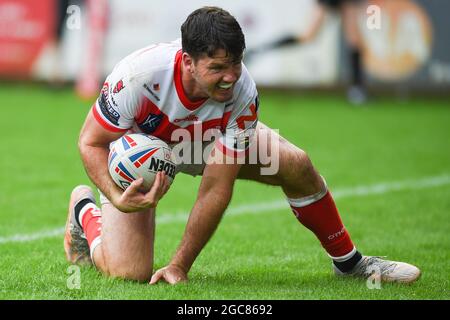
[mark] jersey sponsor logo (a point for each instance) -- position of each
(118, 87)
(151, 123)
(107, 110)
(190, 118)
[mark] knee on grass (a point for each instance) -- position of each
(125, 268)
(134, 273)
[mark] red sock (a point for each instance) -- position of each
(91, 222)
(322, 218)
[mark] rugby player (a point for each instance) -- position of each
(175, 86)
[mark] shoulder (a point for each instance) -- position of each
(144, 64)
(245, 87)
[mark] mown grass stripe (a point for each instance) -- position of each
(261, 207)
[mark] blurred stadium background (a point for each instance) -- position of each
(409, 50)
(395, 146)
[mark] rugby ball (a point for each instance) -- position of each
(139, 155)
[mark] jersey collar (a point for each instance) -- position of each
(179, 86)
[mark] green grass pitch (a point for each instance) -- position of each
(258, 252)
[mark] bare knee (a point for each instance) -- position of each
(141, 273)
(306, 169)
(298, 176)
(119, 266)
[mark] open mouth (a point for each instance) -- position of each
(225, 86)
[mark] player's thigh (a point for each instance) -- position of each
(128, 238)
(270, 160)
(272, 152)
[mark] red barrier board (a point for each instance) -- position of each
(26, 26)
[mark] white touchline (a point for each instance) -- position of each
(258, 208)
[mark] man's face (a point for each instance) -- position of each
(216, 76)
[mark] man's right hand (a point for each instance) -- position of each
(133, 200)
(171, 274)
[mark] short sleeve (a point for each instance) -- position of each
(116, 105)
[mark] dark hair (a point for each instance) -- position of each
(211, 28)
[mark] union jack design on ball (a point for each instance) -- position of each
(139, 158)
(128, 142)
(124, 173)
(112, 156)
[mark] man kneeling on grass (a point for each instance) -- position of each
(163, 88)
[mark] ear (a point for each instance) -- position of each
(187, 61)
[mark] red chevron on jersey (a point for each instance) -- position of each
(165, 128)
(152, 100)
(241, 120)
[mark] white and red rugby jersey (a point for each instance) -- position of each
(144, 93)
